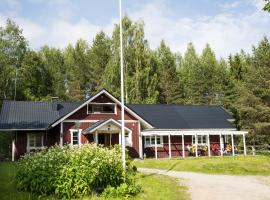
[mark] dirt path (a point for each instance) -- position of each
(221, 187)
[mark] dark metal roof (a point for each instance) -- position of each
(184, 116)
(19, 115)
(32, 115)
(92, 127)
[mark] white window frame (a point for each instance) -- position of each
(153, 137)
(101, 104)
(35, 147)
(201, 142)
(128, 140)
(79, 136)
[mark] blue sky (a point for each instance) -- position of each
(227, 25)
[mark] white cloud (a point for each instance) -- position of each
(234, 4)
(259, 4)
(225, 32)
(59, 33)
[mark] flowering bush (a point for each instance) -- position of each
(215, 148)
(74, 172)
(203, 148)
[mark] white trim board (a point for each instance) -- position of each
(110, 96)
(150, 133)
(89, 120)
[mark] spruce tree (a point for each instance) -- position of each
(168, 79)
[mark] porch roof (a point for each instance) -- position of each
(102, 123)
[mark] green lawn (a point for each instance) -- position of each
(155, 187)
(240, 165)
(158, 187)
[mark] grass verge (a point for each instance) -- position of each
(155, 187)
(239, 165)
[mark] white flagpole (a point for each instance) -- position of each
(122, 90)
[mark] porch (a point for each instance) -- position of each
(107, 133)
(193, 143)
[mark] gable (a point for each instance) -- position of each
(103, 96)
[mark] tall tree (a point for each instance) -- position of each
(136, 59)
(80, 76)
(53, 60)
(253, 102)
(237, 66)
(13, 47)
(37, 82)
(187, 73)
(99, 55)
(168, 79)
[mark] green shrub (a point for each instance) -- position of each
(75, 172)
(126, 189)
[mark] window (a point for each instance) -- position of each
(75, 135)
(150, 141)
(34, 141)
(202, 139)
(98, 108)
(128, 140)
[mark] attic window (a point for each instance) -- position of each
(101, 108)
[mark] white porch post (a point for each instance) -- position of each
(196, 144)
(170, 149)
(208, 143)
(244, 143)
(220, 144)
(61, 134)
(156, 146)
(183, 146)
(120, 138)
(232, 145)
(140, 142)
(13, 148)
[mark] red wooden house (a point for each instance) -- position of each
(150, 130)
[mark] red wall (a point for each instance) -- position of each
(50, 138)
(88, 138)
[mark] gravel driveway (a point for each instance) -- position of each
(221, 187)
